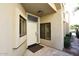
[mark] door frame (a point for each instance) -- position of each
(38, 26)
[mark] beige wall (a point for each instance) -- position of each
(65, 22)
(56, 30)
(65, 27)
(9, 33)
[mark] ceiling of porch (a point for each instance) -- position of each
(39, 9)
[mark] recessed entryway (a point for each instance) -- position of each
(32, 30)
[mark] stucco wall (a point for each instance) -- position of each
(9, 31)
(56, 30)
(65, 27)
(66, 22)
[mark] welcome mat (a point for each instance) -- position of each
(35, 47)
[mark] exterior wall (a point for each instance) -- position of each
(56, 30)
(65, 27)
(9, 33)
(66, 23)
(20, 42)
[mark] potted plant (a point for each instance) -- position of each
(67, 42)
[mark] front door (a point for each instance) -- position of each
(32, 32)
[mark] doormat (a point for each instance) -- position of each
(35, 47)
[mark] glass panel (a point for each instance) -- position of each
(22, 26)
(45, 31)
(32, 18)
(42, 31)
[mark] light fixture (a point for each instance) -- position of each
(40, 12)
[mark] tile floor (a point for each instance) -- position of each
(47, 51)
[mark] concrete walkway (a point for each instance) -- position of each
(47, 51)
(74, 49)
